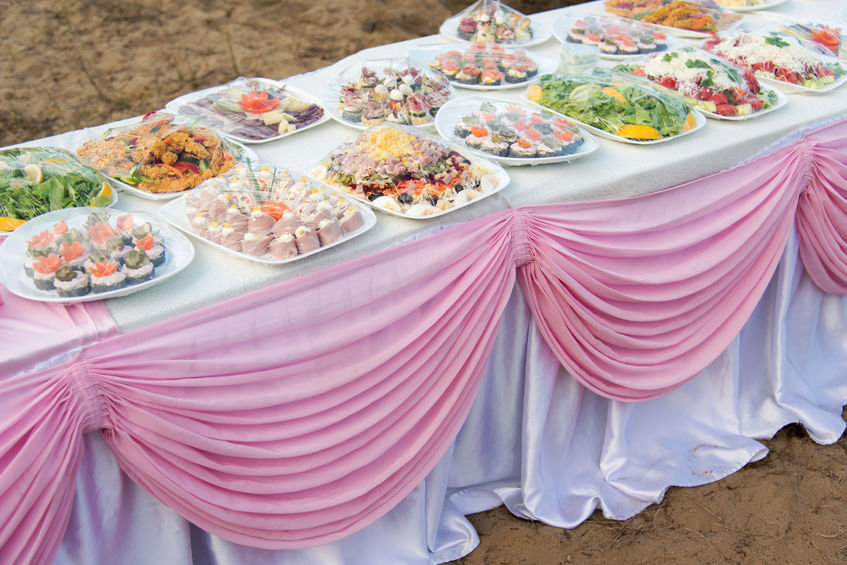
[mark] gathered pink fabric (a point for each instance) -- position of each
(299, 414)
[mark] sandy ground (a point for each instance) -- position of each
(69, 64)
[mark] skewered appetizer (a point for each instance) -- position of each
(270, 213)
(400, 93)
(490, 21)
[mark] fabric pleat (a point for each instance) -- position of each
(298, 414)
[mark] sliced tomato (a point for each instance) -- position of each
(726, 109)
(718, 99)
(668, 82)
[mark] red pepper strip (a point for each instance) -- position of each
(183, 165)
(174, 169)
(199, 139)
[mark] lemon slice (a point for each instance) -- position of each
(33, 173)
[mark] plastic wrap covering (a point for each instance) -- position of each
(268, 215)
(780, 57)
(623, 106)
(614, 36)
(705, 16)
(512, 134)
(160, 155)
(490, 21)
(252, 110)
(37, 180)
(708, 82)
(404, 172)
(386, 90)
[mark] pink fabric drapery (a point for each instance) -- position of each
(299, 414)
(822, 210)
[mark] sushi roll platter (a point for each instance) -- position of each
(483, 66)
(512, 134)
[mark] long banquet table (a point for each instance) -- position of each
(355, 406)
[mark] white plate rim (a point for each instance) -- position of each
(700, 122)
(545, 65)
(503, 177)
(781, 100)
(766, 6)
(674, 41)
(330, 93)
(450, 25)
(800, 89)
(178, 249)
(446, 122)
(175, 104)
(173, 213)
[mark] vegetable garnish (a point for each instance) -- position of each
(258, 102)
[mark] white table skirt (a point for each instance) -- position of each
(538, 442)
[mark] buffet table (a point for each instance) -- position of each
(354, 406)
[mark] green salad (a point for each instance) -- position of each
(36, 180)
(624, 106)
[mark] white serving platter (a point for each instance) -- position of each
(425, 54)
(173, 212)
(178, 255)
(494, 177)
(332, 92)
(540, 31)
(176, 104)
(452, 112)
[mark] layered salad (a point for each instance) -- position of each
(408, 173)
(778, 56)
(708, 82)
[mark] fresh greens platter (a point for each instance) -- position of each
(37, 180)
(618, 107)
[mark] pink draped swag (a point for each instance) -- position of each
(296, 415)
